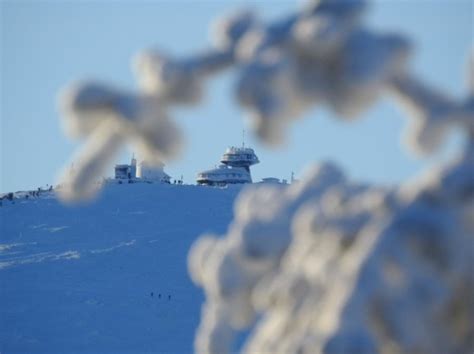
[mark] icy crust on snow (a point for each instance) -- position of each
(330, 266)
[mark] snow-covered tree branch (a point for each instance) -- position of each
(325, 265)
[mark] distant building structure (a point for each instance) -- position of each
(144, 172)
(234, 168)
(154, 172)
(273, 180)
(125, 171)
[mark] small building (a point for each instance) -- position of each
(224, 175)
(234, 168)
(144, 172)
(124, 171)
(153, 173)
(272, 180)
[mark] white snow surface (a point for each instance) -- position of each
(80, 278)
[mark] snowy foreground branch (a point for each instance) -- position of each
(329, 266)
(323, 55)
(325, 265)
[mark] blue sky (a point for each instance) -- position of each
(45, 45)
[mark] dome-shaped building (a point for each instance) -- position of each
(234, 168)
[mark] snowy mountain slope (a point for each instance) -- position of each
(98, 278)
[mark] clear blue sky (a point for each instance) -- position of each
(45, 45)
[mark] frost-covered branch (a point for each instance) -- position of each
(336, 267)
(325, 265)
(320, 55)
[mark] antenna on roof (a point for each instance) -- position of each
(243, 138)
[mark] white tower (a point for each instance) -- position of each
(154, 172)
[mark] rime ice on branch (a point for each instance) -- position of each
(325, 265)
(321, 55)
(108, 118)
(329, 266)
